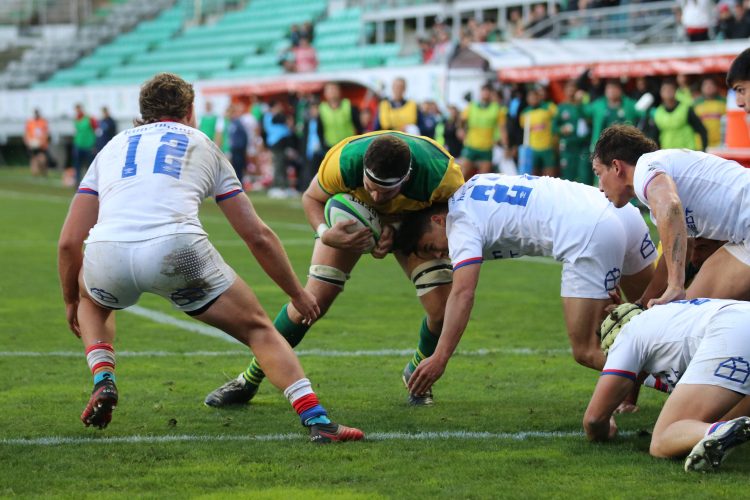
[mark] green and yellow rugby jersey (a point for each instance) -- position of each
(435, 176)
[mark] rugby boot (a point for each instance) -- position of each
(235, 392)
(98, 411)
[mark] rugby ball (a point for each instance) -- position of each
(345, 207)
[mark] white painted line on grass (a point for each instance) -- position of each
(192, 326)
(372, 436)
(322, 353)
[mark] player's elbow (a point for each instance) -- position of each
(259, 239)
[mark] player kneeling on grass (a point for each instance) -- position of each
(138, 205)
(699, 351)
(500, 217)
(394, 173)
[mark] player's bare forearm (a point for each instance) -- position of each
(610, 391)
(457, 310)
(262, 242)
(84, 210)
(670, 221)
(657, 285)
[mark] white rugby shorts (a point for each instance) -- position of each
(184, 269)
(723, 356)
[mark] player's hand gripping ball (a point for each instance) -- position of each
(614, 322)
(345, 207)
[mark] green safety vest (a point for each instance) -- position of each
(85, 136)
(674, 130)
(337, 123)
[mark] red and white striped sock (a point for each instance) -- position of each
(101, 359)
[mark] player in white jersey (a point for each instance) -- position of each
(699, 351)
(138, 204)
(500, 217)
(690, 194)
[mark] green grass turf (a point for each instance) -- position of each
(504, 392)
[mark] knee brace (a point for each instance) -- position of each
(328, 274)
(432, 274)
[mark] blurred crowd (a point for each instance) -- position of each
(278, 144)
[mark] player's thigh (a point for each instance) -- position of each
(723, 275)
(701, 402)
(432, 281)
(582, 319)
(337, 266)
(238, 313)
(484, 167)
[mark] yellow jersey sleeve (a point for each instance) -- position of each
(330, 179)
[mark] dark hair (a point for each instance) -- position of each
(388, 156)
(740, 69)
(166, 95)
(413, 226)
(622, 142)
(669, 81)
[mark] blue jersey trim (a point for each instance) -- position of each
(227, 195)
(468, 262)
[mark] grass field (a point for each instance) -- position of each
(506, 423)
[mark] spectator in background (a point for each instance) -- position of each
(294, 35)
(307, 31)
(710, 107)
(676, 120)
(339, 119)
(427, 49)
(685, 90)
(482, 120)
(398, 113)
(277, 126)
(727, 27)
(570, 126)
(443, 47)
(84, 140)
(696, 17)
(208, 121)
(371, 103)
(36, 139)
(515, 24)
(612, 108)
(431, 118)
(539, 16)
(366, 120)
(238, 141)
(252, 129)
(537, 119)
(312, 143)
(305, 57)
(742, 15)
(451, 136)
(106, 129)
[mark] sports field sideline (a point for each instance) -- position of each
(506, 423)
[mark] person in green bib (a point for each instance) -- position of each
(610, 109)
(84, 140)
(208, 121)
(338, 118)
(676, 121)
(569, 124)
(482, 120)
